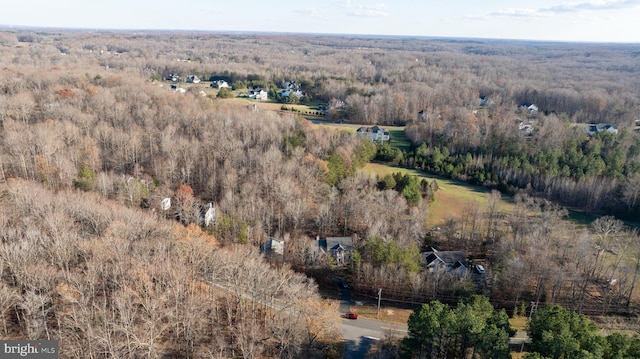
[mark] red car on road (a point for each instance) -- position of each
(351, 315)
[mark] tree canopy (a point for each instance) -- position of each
(558, 333)
(474, 326)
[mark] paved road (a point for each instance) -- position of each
(359, 335)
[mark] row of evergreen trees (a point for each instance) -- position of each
(475, 328)
(510, 168)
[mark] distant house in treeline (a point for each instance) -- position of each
(375, 133)
(193, 79)
(258, 94)
(526, 129)
(287, 93)
(592, 129)
(291, 87)
(218, 84)
(272, 245)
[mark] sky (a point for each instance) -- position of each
(553, 20)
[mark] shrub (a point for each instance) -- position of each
(225, 93)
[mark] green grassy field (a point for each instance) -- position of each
(397, 132)
(450, 199)
(398, 139)
(452, 196)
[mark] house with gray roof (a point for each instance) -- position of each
(592, 129)
(272, 246)
(450, 262)
(374, 133)
(338, 247)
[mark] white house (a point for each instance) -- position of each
(526, 129)
(287, 93)
(375, 133)
(259, 94)
(193, 79)
(273, 245)
(290, 85)
(209, 215)
(218, 84)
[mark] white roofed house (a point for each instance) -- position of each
(193, 79)
(209, 216)
(273, 249)
(218, 84)
(258, 94)
(375, 133)
(272, 245)
(526, 129)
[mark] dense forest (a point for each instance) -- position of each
(93, 141)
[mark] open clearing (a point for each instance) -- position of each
(451, 198)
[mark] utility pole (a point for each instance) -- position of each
(533, 308)
(379, 296)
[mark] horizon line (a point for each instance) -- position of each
(4, 27)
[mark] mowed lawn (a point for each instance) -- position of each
(394, 131)
(452, 197)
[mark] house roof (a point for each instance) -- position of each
(600, 127)
(337, 247)
(449, 258)
(346, 243)
(374, 129)
(272, 244)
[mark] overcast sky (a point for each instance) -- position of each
(557, 20)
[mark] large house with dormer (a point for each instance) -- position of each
(375, 133)
(339, 248)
